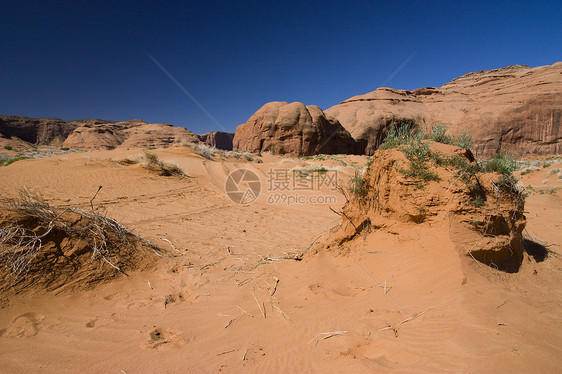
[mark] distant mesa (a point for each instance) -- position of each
(100, 134)
(293, 128)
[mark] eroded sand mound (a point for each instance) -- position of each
(482, 211)
(55, 249)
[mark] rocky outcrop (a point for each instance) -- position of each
(52, 131)
(94, 133)
(292, 128)
(218, 139)
(368, 117)
(516, 108)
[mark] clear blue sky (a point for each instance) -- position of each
(78, 59)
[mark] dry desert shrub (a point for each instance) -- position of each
(55, 248)
(204, 150)
(152, 162)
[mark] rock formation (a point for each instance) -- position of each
(94, 133)
(36, 130)
(128, 134)
(368, 117)
(218, 139)
(516, 108)
(292, 128)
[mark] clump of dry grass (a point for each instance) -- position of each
(152, 162)
(204, 150)
(53, 247)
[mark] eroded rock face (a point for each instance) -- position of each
(293, 128)
(94, 133)
(368, 117)
(51, 131)
(218, 139)
(485, 220)
(516, 108)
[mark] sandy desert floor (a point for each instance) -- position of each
(233, 299)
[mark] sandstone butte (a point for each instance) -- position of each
(292, 128)
(516, 108)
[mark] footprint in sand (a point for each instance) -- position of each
(23, 326)
(344, 291)
(163, 336)
(101, 321)
(315, 288)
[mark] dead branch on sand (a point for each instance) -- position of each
(225, 352)
(171, 245)
(327, 335)
(259, 306)
(395, 327)
(251, 315)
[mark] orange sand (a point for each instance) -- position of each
(219, 307)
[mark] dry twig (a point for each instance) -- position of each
(327, 335)
(259, 306)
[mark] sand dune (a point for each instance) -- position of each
(246, 288)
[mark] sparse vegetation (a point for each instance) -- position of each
(8, 160)
(31, 153)
(411, 143)
(331, 157)
(418, 152)
(358, 186)
(550, 191)
(457, 162)
(152, 162)
(8, 147)
(438, 133)
(397, 136)
(203, 150)
(479, 201)
(501, 163)
(464, 140)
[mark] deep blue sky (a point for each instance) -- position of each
(78, 59)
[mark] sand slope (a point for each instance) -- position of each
(233, 300)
